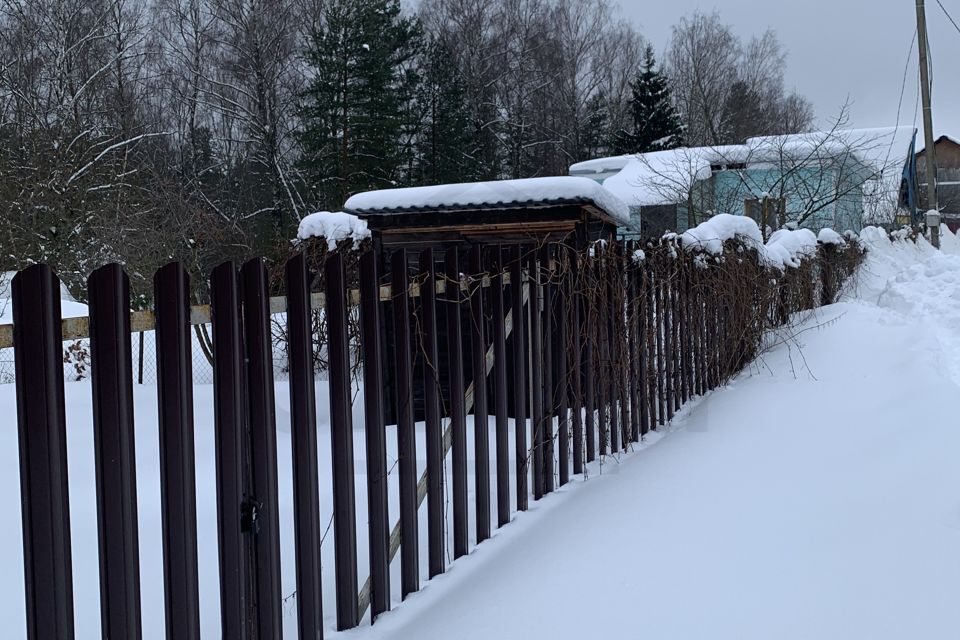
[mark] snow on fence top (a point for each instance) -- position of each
(334, 226)
(710, 234)
(829, 236)
(788, 247)
(556, 190)
(785, 248)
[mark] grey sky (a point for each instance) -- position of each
(838, 48)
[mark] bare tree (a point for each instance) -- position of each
(702, 64)
(726, 90)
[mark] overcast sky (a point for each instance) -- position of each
(839, 49)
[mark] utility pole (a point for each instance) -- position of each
(928, 127)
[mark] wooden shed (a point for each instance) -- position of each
(524, 214)
(508, 211)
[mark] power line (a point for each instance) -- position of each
(903, 88)
(906, 71)
(949, 17)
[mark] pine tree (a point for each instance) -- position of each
(656, 125)
(358, 104)
(447, 144)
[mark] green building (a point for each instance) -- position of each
(840, 179)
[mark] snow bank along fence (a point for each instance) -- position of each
(594, 343)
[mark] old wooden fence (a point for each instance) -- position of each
(592, 345)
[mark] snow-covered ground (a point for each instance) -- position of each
(814, 497)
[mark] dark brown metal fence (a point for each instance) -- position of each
(599, 343)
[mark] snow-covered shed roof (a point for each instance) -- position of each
(599, 166)
(497, 194)
(665, 177)
(876, 148)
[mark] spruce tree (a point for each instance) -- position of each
(597, 140)
(656, 125)
(357, 106)
(447, 141)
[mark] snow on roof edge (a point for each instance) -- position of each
(496, 192)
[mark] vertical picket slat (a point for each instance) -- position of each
(678, 337)
(661, 324)
(561, 384)
(688, 333)
(341, 440)
(589, 361)
(303, 443)
(263, 447)
(406, 435)
(520, 373)
(633, 302)
(622, 362)
(458, 418)
(236, 601)
(481, 432)
(500, 385)
(644, 357)
(178, 487)
(41, 425)
(431, 398)
(549, 398)
(536, 377)
(700, 331)
(576, 333)
(603, 383)
(108, 289)
(376, 436)
(613, 352)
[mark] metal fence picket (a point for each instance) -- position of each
(303, 443)
(406, 435)
(431, 397)
(108, 289)
(341, 441)
(481, 432)
(178, 487)
(376, 436)
(458, 427)
(230, 428)
(41, 428)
